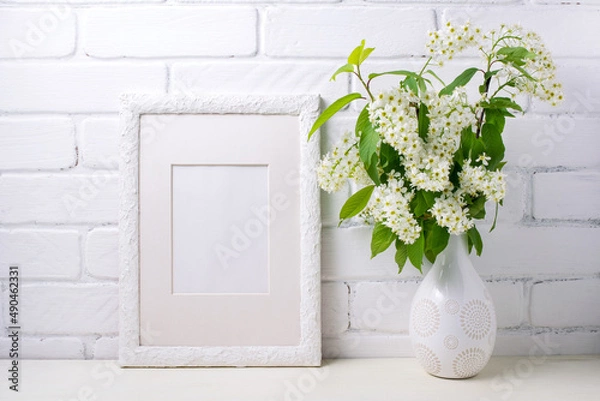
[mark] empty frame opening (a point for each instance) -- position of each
(220, 230)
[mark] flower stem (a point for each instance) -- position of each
(425, 66)
(362, 81)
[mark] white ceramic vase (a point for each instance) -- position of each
(452, 318)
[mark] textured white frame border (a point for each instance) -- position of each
(308, 352)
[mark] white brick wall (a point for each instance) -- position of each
(54, 198)
(68, 309)
(46, 254)
(73, 87)
(101, 252)
(47, 348)
(258, 78)
(99, 143)
(382, 307)
(575, 195)
(581, 309)
(106, 348)
(563, 140)
(334, 307)
(169, 32)
(36, 144)
(300, 32)
(37, 33)
(63, 65)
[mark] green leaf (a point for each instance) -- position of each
(423, 121)
(458, 159)
(496, 118)
(399, 72)
(466, 142)
(422, 202)
(331, 110)
(422, 84)
(401, 255)
(436, 240)
(524, 72)
(390, 159)
(471, 146)
(373, 170)
(383, 236)
(356, 203)
(477, 208)
(369, 138)
(354, 57)
(415, 252)
(366, 53)
(461, 80)
(495, 218)
(506, 113)
(475, 240)
(410, 82)
(515, 55)
(344, 68)
(518, 51)
(435, 76)
(489, 74)
(494, 145)
(501, 103)
(477, 149)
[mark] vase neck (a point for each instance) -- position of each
(457, 245)
(455, 251)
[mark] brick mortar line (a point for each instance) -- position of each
(509, 331)
(534, 280)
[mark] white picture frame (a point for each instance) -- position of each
(169, 123)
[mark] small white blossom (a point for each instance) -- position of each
(484, 159)
(445, 43)
(390, 205)
(450, 211)
(428, 162)
(542, 82)
(341, 164)
(476, 180)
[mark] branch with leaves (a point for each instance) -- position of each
(428, 159)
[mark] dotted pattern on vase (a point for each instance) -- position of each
(452, 307)
(450, 342)
(426, 318)
(457, 334)
(469, 362)
(428, 359)
(476, 319)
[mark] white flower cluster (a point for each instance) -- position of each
(341, 164)
(427, 162)
(541, 67)
(390, 205)
(428, 158)
(449, 211)
(476, 180)
(447, 42)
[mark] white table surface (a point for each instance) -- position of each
(561, 378)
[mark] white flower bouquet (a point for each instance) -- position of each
(425, 157)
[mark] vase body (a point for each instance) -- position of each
(452, 319)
